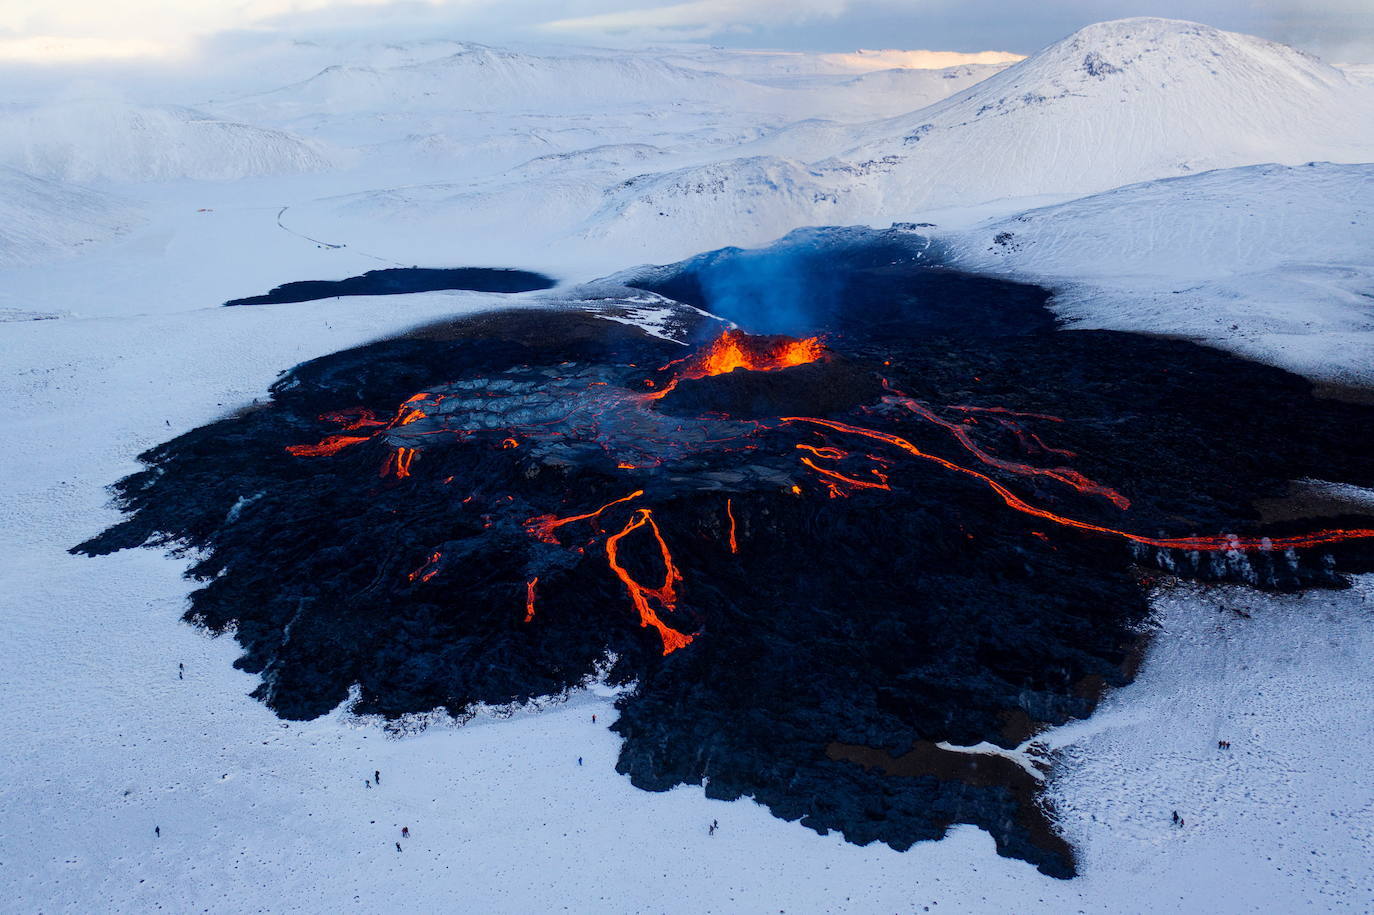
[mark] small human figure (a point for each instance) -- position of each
(378, 776)
(405, 832)
(398, 846)
(367, 784)
(715, 824)
(711, 830)
(579, 760)
(1176, 819)
(157, 831)
(593, 719)
(181, 671)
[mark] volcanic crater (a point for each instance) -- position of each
(825, 563)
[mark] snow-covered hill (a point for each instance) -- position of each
(1271, 262)
(102, 139)
(481, 78)
(1115, 103)
(47, 220)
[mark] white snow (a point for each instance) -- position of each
(42, 221)
(126, 224)
(1271, 262)
(104, 139)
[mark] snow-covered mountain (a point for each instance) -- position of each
(101, 139)
(1271, 262)
(1115, 103)
(44, 220)
(1123, 101)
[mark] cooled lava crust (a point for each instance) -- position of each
(495, 509)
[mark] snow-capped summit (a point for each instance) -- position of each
(1112, 104)
(1121, 100)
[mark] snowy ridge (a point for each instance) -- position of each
(1270, 262)
(100, 139)
(47, 220)
(484, 78)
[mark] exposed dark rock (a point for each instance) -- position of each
(396, 280)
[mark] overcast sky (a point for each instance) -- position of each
(49, 30)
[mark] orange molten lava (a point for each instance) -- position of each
(529, 598)
(734, 349)
(847, 481)
(355, 418)
(398, 462)
(329, 445)
(1064, 475)
(730, 513)
(1218, 543)
(429, 569)
(665, 594)
(541, 527)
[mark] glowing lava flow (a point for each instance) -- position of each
(1062, 474)
(361, 418)
(398, 463)
(529, 598)
(1216, 543)
(665, 594)
(331, 444)
(1004, 410)
(734, 349)
(429, 569)
(730, 513)
(846, 480)
(541, 527)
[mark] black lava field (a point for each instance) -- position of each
(399, 280)
(927, 516)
